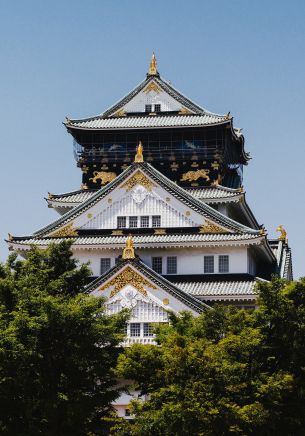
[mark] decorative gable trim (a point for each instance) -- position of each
(128, 276)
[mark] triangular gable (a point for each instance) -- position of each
(132, 284)
(156, 186)
(154, 90)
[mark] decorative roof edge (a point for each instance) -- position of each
(177, 191)
(137, 264)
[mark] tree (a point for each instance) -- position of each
(227, 371)
(57, 347)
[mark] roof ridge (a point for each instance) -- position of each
(165, 85)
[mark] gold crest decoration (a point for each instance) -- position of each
(128, 277)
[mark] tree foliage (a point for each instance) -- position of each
(57, 347)
(227, 371)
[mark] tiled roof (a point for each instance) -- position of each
(143, 122)
(219, 288)
(72, 197)
(164, 85)
(214, 192)
(209, 193)
(178, 192)
(144, 240)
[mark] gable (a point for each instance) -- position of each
(137, 196)
(138, 202)
(152, 94)
(147, 300)
(173, 199)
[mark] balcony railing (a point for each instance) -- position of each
(138, 340)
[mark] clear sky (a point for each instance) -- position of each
(76, 58)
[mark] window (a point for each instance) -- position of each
(156, 263)
(125, 329)
(135, 329)
(157, 108)
(208, 264)
(145, 221)
(105, 264)
(127, 412)
(121, 222)
(172, 265)
(156, 221)
(148, 329)
(148, 108)
(223, 264)
(133, 222)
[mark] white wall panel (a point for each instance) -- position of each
(127, 206)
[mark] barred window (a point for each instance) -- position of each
(156, 221)
(105, 264)
(156, 263)
(208, 264)
(145, 221)
(133, 222)
(223, 264)
(171, 265)
(148, 108)
(157, 108)
(148, 329)
(121, 222)
(135, 329)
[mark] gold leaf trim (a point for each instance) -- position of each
(120, 113)
(283, 235)
(153, 65)
(192, 176)
(210, 227)
(128, 277)
(117, 232)
(184, 111)
(103, 176)
(138, 179)
(160, 231)
(152, 86)
(128, 252)
(68, 230)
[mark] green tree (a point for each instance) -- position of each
(57, 347)
(227, 371)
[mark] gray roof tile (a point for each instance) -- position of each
(142, 122)
(218, 288)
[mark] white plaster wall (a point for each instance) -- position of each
(190, 260)
(137, 104)
(126, 206)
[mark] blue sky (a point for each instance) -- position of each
(76, 58)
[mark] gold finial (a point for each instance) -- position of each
(50, 196)
(139, 155)
(9, 237)
(153, 65)
(283, 235)
(128, 252)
